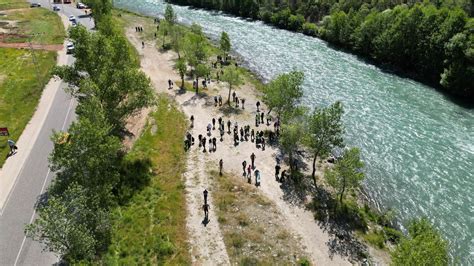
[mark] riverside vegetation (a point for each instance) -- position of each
(430, 40)
(99, 191)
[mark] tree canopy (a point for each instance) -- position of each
(284, 93)
(225, 43)
(232, 77)
(423, 246)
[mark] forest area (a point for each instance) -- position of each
(431, 41)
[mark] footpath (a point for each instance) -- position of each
(15, 163)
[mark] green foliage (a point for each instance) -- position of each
(423, 246)
(225, 43)
(325, 132)
(291, 137)
(347, 173)
(68, 224)
(150, 229)
(88, 155)
(170, 16)
(284, 93)
(113, 76)
(181, 67)
(196, 46)
(232, 77)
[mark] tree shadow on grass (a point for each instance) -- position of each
(134, 176)
(230, 110)
(339, 223)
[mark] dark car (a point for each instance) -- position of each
(56, 8)
(35, 5)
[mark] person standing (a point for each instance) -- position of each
(233, 96)
(252, 135)
(277, 171)
(263, 143)
(228, 126)
(206, 208)
(220, 100)
(222, 133)
(221, 165)
(205, 195)
(204, 143)
(12, 145)
(252, 158)
(213, 123)
(243, 102)
(258, 106)
(192, 121)
(257, 178)
(249, 174)
(244, 166)
(215, 101)
(261, 116)
(214, 143)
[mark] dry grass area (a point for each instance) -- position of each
(253, 229)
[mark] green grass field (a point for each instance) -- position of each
(12, 4)
(21, 83)
(20, 89)
(43, 25)
(150, 228)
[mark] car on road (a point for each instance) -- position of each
(56, 8)
(69, 48)
(35, 5)
(81, 6)
(72, 18)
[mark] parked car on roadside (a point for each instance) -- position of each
(72, 18)
(56, 8)
(69, 48)
(35, 5)
(81, 5)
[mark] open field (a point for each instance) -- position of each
(38, 25)
(20, 89)
(149, 229)
(12, 4)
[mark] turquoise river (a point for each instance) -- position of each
(418, 145)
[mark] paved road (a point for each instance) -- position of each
(35, 177)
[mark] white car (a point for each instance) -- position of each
(72, 18)
(81, 6)
(56, 8)
(69, 48)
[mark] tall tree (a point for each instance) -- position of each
(232, 77)
(170, 16)
(69, 224)
(347, 173)
(284, 93)
(225, 44)
(424, 245)
(325, 132)
(290, 140)
(200, 71)
(181, 67)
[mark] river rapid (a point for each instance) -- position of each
(417, 144)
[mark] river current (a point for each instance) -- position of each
(417, 144)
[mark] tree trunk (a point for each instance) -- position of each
(313, 174)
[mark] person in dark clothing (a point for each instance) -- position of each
(192, 121)
(277, 171)
(283, 176)
(215, 101)
(221, 165)
(258, 106)
(214, 143)
(204, 143)
(243, 102)
(211, 148)
(228, 126)
(213, 123)
(206, 208)
(252, 158)
(220, 100)
(200, 140)
(220, 121)
(233, 96)
(263, 143)
(241, 134)
(244, 166)
(257, 119)
(252, 135)
(222, 133)
(205, 195)
(261, 116)
(237, 101)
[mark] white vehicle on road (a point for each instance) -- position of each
(70, 48)
(72, 18)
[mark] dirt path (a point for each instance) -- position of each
(206, 242)
(22, 45)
